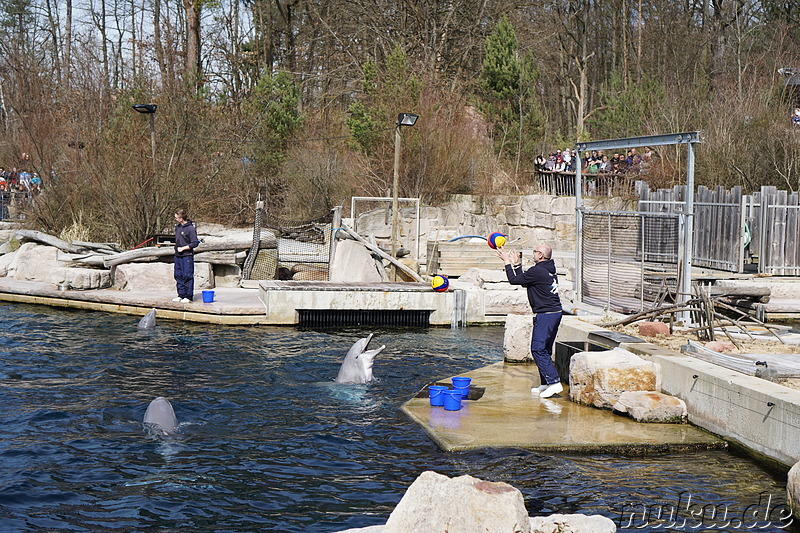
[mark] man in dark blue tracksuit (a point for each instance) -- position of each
(541, 282)
(185, 243)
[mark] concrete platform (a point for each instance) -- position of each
(509, 416)
(231, 306)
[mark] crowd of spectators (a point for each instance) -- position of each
(19, 180)
(597, 162)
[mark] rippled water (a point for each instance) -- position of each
(266, 442)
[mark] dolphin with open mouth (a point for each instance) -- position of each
(357, 364)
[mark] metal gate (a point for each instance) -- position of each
(629, 260)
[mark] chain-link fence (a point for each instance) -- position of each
(628, 260)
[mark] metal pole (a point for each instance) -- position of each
(153, 138)
(578, 281)
(395, 185)
(686, 274)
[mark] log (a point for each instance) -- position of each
(102, 247)
(221, 257)
(381, 253)
(44, 238)
(155, 252)
(744, 291)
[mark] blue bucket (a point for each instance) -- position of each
(208, 297)
(436, 394)
(452, 400)
(462, 384)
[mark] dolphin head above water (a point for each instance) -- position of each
(160, 417)
(357, 364)
(148, 321)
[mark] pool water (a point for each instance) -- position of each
(266, 442)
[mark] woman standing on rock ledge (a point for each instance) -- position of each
(185, 243)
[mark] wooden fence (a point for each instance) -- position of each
(773, 219)
(717, 241)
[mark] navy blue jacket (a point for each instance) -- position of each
(541, 282)
(185, 235)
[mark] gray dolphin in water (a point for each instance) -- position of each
(357, 364)
(148, 321)
(160, 417)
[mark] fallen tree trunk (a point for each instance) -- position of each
(155, 252)
(49, 240)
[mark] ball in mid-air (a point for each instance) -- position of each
(440, 283)
(496, 240)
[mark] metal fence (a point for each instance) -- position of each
(563, 184)
(628, 260)
(13, 204)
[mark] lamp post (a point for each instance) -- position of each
(150, 109)
(403, 119)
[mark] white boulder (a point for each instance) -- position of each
(158, 277)
(651, 406)
(572, 523)
(437, 504)
(517, 339)
(599, 378)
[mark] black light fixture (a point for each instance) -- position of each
(407, 119)
(145, 108)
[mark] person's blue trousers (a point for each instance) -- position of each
(184, 276)
(545, 328)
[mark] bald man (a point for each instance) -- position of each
(541, 283)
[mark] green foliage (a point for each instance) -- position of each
(273, 106)
(622, 111)
(363, 126)
(387, 91)
(501, 67)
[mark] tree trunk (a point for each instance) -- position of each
(159, 46)
(191, 71)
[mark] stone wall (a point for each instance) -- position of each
(531, 219)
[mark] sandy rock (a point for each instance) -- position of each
(311, 275)
(720, 346)
(651, 406)
(227, 275)
(572, 523)
(653, 329)
(437, 504)
(793, 489)
(34, 262)
(5, 262)
(354, 263)
(506, 303)
(158, 277)
(81, 278)
(599, 378)
(517, 340)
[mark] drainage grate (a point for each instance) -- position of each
(364, 317)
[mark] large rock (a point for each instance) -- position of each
(651, 406)
(158, 277)
(517, 339)
(598, 378)
(227, 275)
(81, 278)
(354, 263)
(793, 489)
(437, 504)
(505, 302)
(34, 262)
(572, 523)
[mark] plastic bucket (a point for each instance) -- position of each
(208, 297)
(462, 384)
(435, 392)
(452, 400)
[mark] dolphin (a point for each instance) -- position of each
(159, 418)
(148, 321)
(357, 364)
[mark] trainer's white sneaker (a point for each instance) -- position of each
(185, 301)
(551, 390)
(176, 300)
(538, 390)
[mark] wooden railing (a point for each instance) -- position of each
(595, 184)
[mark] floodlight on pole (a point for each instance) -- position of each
(403, 119)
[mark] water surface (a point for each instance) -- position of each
(266, 441)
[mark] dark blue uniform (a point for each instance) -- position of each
(541, 283)
(185, 235)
